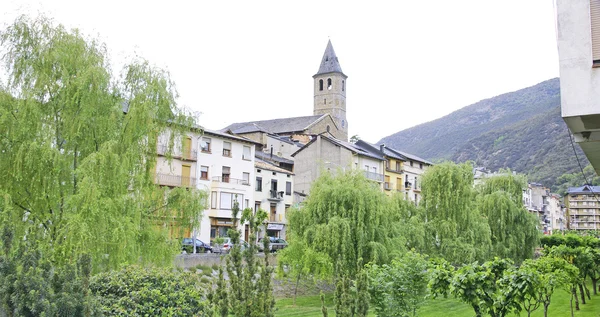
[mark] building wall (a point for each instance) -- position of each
(414, 175)
(583, 211)
(264, 200)
(321, 127)
(238, 165)
(396, 178)
(579, 80)
(281, 148)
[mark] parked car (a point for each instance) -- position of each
(187, 245)
(226, 246)
(275, 244)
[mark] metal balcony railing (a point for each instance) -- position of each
(393, 170)
(175, 180)
(374, 176)
(226, 179)
(388, 186)
(188, 154)
(275, 195)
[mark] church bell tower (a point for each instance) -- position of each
(330, 90)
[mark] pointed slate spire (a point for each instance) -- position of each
(329, 63)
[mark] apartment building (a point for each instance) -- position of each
(226, 171)
(273, 193)
(583, 207)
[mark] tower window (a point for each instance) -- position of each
(343, 123)
(343, 85)
(328, 83)
(325, 101)
(321, 84)
(328, 128)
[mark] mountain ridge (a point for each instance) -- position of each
(522, 130)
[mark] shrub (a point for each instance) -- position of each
(141, 291)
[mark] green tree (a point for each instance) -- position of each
(249, 291)
(454, 229)
(399, 289)
(536, 280)
(77, 166)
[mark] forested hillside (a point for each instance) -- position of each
(521, 130)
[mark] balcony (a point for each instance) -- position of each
(407, 185)
(388, 186)
(275, 195)
(229, 180)
(374, 176)
(174, 180)
(187, 155)
(394, 170)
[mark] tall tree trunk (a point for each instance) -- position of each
(587, 291)
(572, 314)
(574, 291)
(546, 309)
(581, 293)
(594, 286)
(296, 289)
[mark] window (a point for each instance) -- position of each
(256, 205)
(246, 203)
(246, 178)
(375, 169)
(367, 168)
(226, 200)
(329, 86)
(203, 172)
(288, 188)
(205, 145)
(227, 149)
(387, 163)
(421, 165)
(213, 200)
(246, 154)
(343, 123)
(324, 101)
(343, 85)
(411, 163)
(258, 184)
(398, 166)
(320, 84)
(416, 183)
(225, 174)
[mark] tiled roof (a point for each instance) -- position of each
(410, 156)
(258, 163)
(284, 125)
(275, 158)
(330, 62)
(229, 136)
(349, 146)
(587, 189)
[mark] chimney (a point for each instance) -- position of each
(381, 147)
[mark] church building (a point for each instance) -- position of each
(329, 110)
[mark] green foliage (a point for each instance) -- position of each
(79, 167)
(576, 179)
(30, 285)
(399, 289)
(454, 230)
(149, 291)
(362, 291)
(249, 291)
(345, 218)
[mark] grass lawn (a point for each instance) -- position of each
(311, 306)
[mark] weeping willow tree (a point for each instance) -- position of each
(514, 232)
(346, 218)
(75, 166)
(454, 229)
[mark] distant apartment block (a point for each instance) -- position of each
(583, 207)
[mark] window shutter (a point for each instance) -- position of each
(595, 22)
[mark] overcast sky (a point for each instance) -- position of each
(408, 62)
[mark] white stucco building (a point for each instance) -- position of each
(226, 172)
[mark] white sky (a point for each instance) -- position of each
(407, 62)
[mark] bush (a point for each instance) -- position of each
(141, 291)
